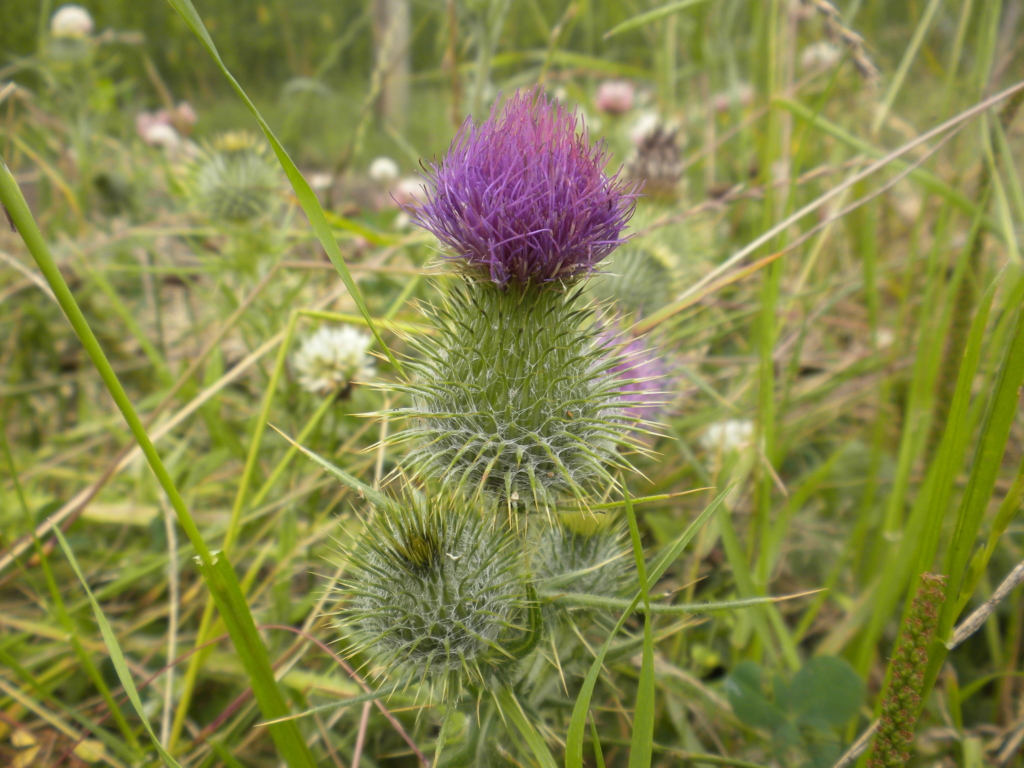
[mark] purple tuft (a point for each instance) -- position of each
(645, 379)
(525, 198)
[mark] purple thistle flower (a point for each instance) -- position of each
(645, 379)
(525, 198)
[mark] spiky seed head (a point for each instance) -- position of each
(233, 180)
(524, 198)
(511, 397)
(435, 593)
(583, 553)
(332, 358)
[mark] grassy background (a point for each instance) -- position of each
(886, 443)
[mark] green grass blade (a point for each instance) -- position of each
(307, 198)
(375, 497)
(577, 725)
(908, 58)
(651, 16)
(221, 579)
(643, 715)
(510, 708)
(927, 180)
(577, 600)
(114, 649)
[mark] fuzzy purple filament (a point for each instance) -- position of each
(524, 198)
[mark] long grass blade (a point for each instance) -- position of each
(114, 649)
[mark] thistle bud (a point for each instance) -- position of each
(580, 553)
(233, 180)
(437, 594)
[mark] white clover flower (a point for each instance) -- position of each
(821, 54)
(383, 170)
(332, 358)
(71, 21)
(726, 436)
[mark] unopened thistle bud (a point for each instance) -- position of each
(906, 680)
(233, 180)
(638, 279)
(437, 594)
(524, 198)
(583, 553)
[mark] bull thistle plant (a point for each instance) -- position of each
(520, 401)
(514, 399)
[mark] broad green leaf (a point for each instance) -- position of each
(826, 692)
(745, 689)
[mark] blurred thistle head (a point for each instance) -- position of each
(642, 372)
(512, 398)
(640, 278)
(332, 358)
(233, 180)
(657, 162)
(437, 594)
(524, 198)
(71, 21)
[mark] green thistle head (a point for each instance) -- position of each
(437, 594)
(233, 180)
(512, 398)
(582, 553)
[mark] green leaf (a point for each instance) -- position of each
(826, 692)
(745, 689)
(646, 18)
(307, 198)
(227, 594)
(114, 649)
(574, 736)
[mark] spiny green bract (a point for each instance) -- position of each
(438, 594)
(512, 397)
(233, 180)
(582, 553)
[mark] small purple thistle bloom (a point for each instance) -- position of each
(525, 198)
(645, 379)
